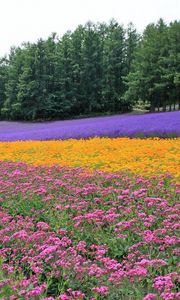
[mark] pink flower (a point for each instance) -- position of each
(170, 240)
(125, 192)
(35, 292)
(162, 282)
(102, 290)
(36, 269)
(65, 297)
(149, 236)
(20, 235)
(4, 282)
(149, 296)
(81, 246)
(78, 295)
(62, 231)
(42, 226)
(168, 296)
(153, 262)
(139, 271)
(23, 292)
(13, 297)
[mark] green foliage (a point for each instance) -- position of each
(3, 79)
(113, 67)
(98, 68)
(155, 68)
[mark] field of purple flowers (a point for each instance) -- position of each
(158, 124)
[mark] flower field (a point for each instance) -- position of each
(93, 219)
(140, 156)
(146, 125)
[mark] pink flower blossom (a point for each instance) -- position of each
(102, 290)
(149, 296)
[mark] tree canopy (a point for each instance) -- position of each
(98, 68)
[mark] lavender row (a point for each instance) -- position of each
(158, 124)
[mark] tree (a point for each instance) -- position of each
(97, 68)
(11, 107)
(77, 38)
(131, 42)
(3, 80)
(146, 81)
(64, 90)
(113, 67)
(36, 81)
(91, 69)
(171, 67)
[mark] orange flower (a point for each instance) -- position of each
(141, 156)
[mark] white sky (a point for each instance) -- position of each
(28, 20)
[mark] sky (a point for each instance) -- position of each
(27, 20)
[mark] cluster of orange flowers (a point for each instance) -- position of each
(140, 156)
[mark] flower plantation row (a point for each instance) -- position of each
(67, 233)
(141, 156)
(145, 125)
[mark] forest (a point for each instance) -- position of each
(101, 68)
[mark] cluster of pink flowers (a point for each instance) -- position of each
(68, 234)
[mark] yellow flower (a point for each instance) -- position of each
(140, 156)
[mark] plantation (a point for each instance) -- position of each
(140, 156)
(72, 234)
(145, 125)
(90, 218)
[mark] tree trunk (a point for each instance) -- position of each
(164, 106)
(174, 106)
(152, 109)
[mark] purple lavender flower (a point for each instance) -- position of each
(158, 124)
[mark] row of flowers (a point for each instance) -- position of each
(66, 233)
(141, 156)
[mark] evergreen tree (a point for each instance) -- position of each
(146, 81)
(171, 67)
(77, 70)
(131, 42)
(11, 108)
(97, 68)
(3, 79)
(113, 67)
(91, 69)
(63, 74)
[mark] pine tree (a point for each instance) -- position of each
(11, 108)
(113, 67)
(91, 69)
(3, 80)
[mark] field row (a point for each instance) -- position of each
(70, 234)
(89, 219)
(141, 156)
(144, 125)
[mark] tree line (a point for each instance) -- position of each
(97, 68)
